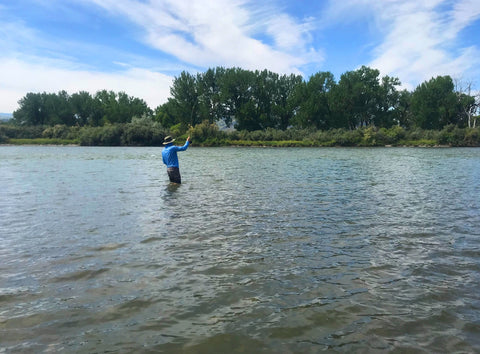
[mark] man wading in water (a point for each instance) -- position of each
(170, 158)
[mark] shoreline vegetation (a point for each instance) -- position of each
(237, 107)
(141, 133)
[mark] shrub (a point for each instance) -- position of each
(451, 135)
(205, 131)
(343, 137)
(56, 132)
(108, 135)
(21, 132)
(472, 137)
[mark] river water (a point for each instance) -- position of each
(260, 250)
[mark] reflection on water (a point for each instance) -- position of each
(259, 250)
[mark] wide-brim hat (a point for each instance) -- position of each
(168, 140)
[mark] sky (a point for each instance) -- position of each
(140, 46)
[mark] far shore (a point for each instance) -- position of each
(259, 144)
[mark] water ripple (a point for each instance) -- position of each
(260, 250)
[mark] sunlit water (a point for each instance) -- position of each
(260, 250)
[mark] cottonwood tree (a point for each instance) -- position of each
(311, 102)
(185, 99)
(434, 103)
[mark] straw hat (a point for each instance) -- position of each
(168, 140)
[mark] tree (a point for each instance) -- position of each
(58, 109)
(208, 88)
(31, 110)
(185, 98)
(357, 97)
(434, 103)
(469, 103)
(107, 106)
(236, 87)
(165, 114)
(311, 102)
(388, 103)
(283, 109)
(83, 107)
(402, 111)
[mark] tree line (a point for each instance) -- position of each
(260, 100)
(361, 98)
(78, 109)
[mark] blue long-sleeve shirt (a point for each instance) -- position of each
(169, 154)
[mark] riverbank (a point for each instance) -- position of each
(209, 135)
(239, 143)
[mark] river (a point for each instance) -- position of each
(260, 250)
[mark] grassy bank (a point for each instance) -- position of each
(42, 141)
(148, 133)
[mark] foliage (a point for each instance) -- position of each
(146, 132)
(143, 132)
(361, 109)
(434, 104)
(311, 101)
(205, 131)
(15, 132)
(79, 109)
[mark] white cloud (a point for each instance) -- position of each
(20, 77)
(220, 33)
(418, 38)
(198, 34)
(463, 14)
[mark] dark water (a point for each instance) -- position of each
(260, 250)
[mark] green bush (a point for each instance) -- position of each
(108, 135)
(204, 132)
(343, 137)
(143, 133)
(472, 137)
(21, 132)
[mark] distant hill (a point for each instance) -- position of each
(5, 116)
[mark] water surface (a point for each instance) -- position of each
(259, 250)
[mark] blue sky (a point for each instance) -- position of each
(139, 46)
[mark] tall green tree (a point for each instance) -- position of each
(185, 99)
(356, 97)
(31, 110)
(361, 99)
(402, 112)
(209, 95)
(434, 103)
(83, 107)
(107, 106)
(388, 103)
(236, 87)
(58, 108)
(311, 102)
(165, 114)
(283, 108)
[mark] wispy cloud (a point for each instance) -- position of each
(416, 39)
(137, 46)
(220, 32)
(420, 38)
(194, 33)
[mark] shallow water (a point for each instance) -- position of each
(260, 250)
